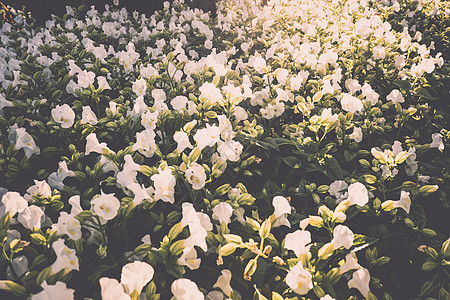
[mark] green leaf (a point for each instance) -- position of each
(334, 170)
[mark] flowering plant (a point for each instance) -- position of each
(294, 150)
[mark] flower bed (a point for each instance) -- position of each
(294, 150)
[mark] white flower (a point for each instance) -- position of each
(351, 104)
(111, 289)
(342, 237)
(67, 224)
(86, 78)
(149, 119)
(103, 83)
(30, 217)
(210, 93)
(189, 258)
(57, 291)
(179, 102)
(379, 52)
(145, 143)
(5, 103)
(395, 96)
(105, 206)
(185, 289)
(222, 212)
(159, 95)
(55, 180)
(299, 279)
(88, 116)
(404, 203)
(297, 241)
(360, 280)
(240, 113)
(207, 136)
(22, 139)
(229, 150)
(281, 209)
(135, 276)
(338, 189)
(259, 64)
(437, 141)
(93, 145)
(63, 115)
(196, 176)
(352, 85)
(351, 263)
(182, 140)
(164, 183)
(66, 258)
(199, 224)
(223, 283)
(139, 87)
(357, 194)
(357, 134)
(14, 203)
(148, 71)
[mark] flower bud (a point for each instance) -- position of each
(326, 251)
(250, 269)
(264, 231)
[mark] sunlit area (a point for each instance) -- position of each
(228, 149)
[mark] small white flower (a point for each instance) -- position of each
(14, 203)
(223, 283)
(437, 141)
(135, 276)
(342, 237)
(299, 279)
(31, 217)
(351, 104)
(360, 281)
(357, 194)
(185, 289)
(105, 206)
(179, 102)
(222, 212)
(297, 241)
(357, 134)
(111, 289)
(196, 176)
(88, 116)
(67, 224)
(64, 115)
(182, 140)
(189, 258)
(66, 258)
(139, 87)
(57, 291)
(85, 78)
(395, 96)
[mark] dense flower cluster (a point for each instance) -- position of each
(273, 151)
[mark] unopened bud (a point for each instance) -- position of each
(250, 269)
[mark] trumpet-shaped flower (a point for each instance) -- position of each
(210, 93)
(93, 145)
(299, 279)
(437, 141)
(139, 87)
(23, 140)
(189, 258)
(357, 134)
(357, 194)
(351, 104)
(85, 78)
(182, 140)
(229, 150)
(185, 289)
(111, 289)
(207, 136)
(57, 291)
(14, 203)
(67, 224)
(342, 237)
(281, 209)
(360, 281)
(164, 183)
(31, 217)
(404, 203)
(196, 176)
(135, 276)
(88, 116)
(395, 96)
(297, 241)
(105, 206)
(66, 258)
(145, 143)
(223, 283)
(222, 212)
